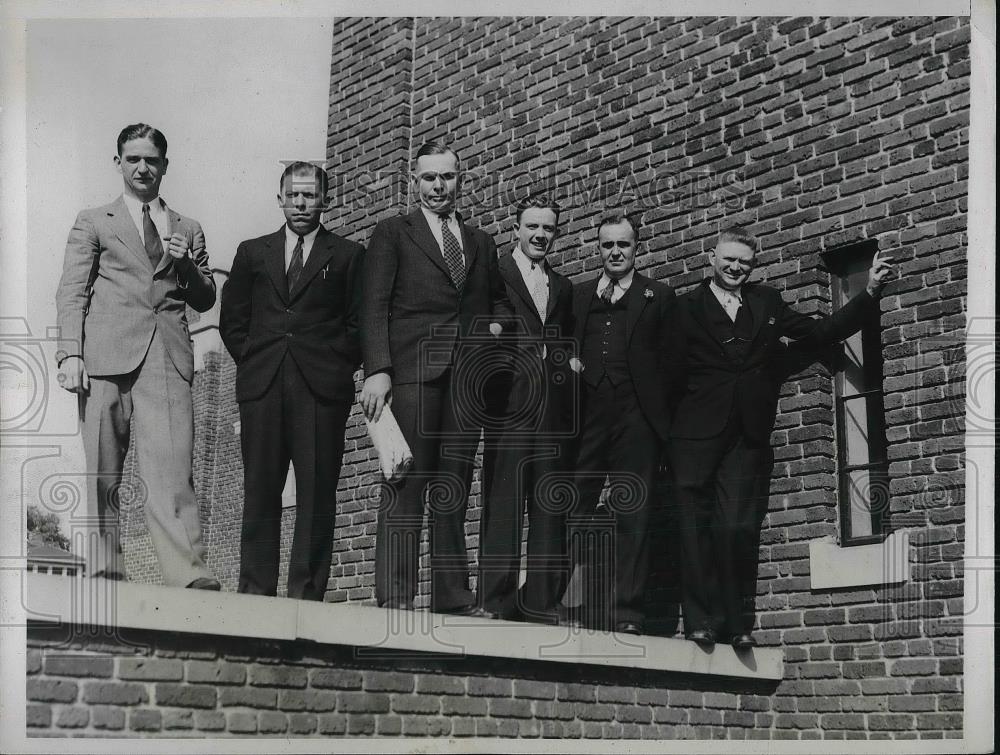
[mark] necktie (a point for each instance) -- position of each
(733, 306)
(151, 238)
(452, 255)
(295, 266)
(539, 289)
(606, 293)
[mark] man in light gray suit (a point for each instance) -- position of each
(129, 270)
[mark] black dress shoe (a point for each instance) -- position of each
(205, 583)
(628, 627)
(474, 612)
(744, 641)
(701, 636)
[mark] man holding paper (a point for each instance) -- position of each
(433, 302)
(130, 270)
(290, 320)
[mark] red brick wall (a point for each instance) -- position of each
(818, 133)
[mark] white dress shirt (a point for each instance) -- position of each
(434, 221)
(292, 238)
(157, 213)
(536, 279)
(730, 300)
(622, 285)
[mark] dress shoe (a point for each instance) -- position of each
(744, 641)
(628, 627)
(701, 636)
(114, 576)
(205, 583)
(474, 612)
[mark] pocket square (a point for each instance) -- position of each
(770, 321)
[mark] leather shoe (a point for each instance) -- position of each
(474, 612)
(205, 583)
(628, 627)
(701, 636)
(744, 641)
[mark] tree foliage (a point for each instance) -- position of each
(45, 527)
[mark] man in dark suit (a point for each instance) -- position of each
(290, 320)
(131, 269)
(433, 302)
(730, 345)
(622, 322)
(525, 440)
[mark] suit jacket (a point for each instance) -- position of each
(712, 383)
(113, 327)
(530, 377)
(412, 316)
(316, 322)
(650, 355)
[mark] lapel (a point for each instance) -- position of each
(469, 246)
(173, 226)
(582, 294)
(423, 239)
(127, 233)
(512, 274)
(755, 300)
(319, 256)
(274, 262)
(700, 301)
(635, 302)
(555, 286)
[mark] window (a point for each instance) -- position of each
(863, 467)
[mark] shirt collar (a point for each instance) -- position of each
(525, 262)
(624, 283)
(135, 204)
(722, 293)
(434, 220)
(291, 237)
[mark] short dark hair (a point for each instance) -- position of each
(143, 131)
(435, 148)
(541, 201)
(301, 166)
(738, 234)
(615, 217)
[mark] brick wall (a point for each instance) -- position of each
(141, 684)
(817, 132)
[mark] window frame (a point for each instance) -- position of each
(837, 262)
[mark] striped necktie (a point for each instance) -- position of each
(295, 266)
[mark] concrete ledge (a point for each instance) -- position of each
(92, 602)
(832, 567)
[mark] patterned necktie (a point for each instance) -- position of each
(539, 289)
(452, 255)
(151, 238)
(606, 293)
(295, 266)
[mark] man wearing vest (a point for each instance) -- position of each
(526, 442)
(130, 270)
(729, 341)
(290, 321)
(622, 324)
